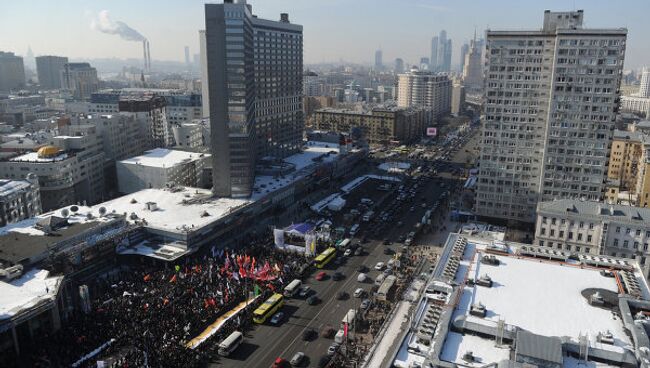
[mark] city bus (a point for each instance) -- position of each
(291, 289)
(231, 343)
(342, 244)
(322, 259)
(268, 308)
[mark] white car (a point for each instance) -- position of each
(348, 252)
(359, 293)
(379, 266)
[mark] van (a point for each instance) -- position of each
(338, 338)
(354, 229)
(366, 201)
(379, 279)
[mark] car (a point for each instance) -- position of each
(297, 359)
(348, 252)
(277, 318)
(358, 251)
(323, 361)
(359, 293)
(313, 300)
(386, 242)
(379, 266)
(388, 251)
(309, 334)
(365, 304)
(341, 295)
(388, 271)
(338, 276)
(304, 291)
(362, 269)
(333, 349)
(401, 238)
(280, 363)
(321, 275)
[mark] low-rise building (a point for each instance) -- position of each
(19, 199)
(160, 168)
(379, 125)
(594, 227)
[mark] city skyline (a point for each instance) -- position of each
(352, 31)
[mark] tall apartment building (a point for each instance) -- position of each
(552, 97)
(151, 110)
(594, 227)
(70, 170)
(457, 99)
(426, 90)
(12, 72)
(254, 76)
(628, 174)
(379, 125)
(80, 79)
(49, 70)
(19, 199)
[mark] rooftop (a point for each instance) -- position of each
(162, 157)
(8, 187)
(30, 290)
(597, 211)
(33, 157)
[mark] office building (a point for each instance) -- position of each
(463, 52)
(473, 67)
(261, 114)
(160, 168)
(12, 72)
(426, 90)
(551, 102)
(379, 125)
(457, 99)
(49, 70)
(70, 170)
(187, 56)
(379, 63)
(80, 79)
(151, 110)
(424, 63)
(194, 136)
(19, 199)
(435, 42)
(399, 65)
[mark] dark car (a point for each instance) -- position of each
(341, 295)
(358, 251)
(323, 361)
(386, 242)
(338, 276)
(362, 269)
(313, 300)
(309, 334)
(388, 251)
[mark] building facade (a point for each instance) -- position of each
(12, 72)
(457, 99)
(473, 67)
(551, 103)
(254, 77)
(594, 227)
(19, 199)
(425, 89)
(80, 79)
(49, 70)
(151, 111)
(378, 125)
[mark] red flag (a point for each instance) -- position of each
(147, 277)
(173, 279)
(166, 301)
(345, 329)
(242, 272)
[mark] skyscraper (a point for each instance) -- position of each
(12, 72)
(49, 70)
(254, 76)
(551, 102)
(399, 65)
(433, 60)
(442, 45)
(644, 88)
(379, 63)
(188, 62)
(80, 79)
(463, 51)
(446, 64)
(473, 67)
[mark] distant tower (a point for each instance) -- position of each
(187, 56)
(433, 60)
(644, 89)
(378, 59)
(399, 66)
(463, 51)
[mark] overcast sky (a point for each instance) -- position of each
(334, 30)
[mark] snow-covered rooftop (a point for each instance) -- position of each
(11, 186)
(33, 157)
(162, 157)
(31, 289)
(484, 351)
(394, 167)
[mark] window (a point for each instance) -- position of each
(636, 245)
(545, 218)
(562, 221)
(579, 237)
(541, 243)
(645, 246)
(627, 231)
(543, 231)
(591, 226)
(616, 242)
(552, 232)
(618, 229)
(581, 225)
(570, 235)
(638, 232)
(553, 221)
(625, 243)
(561, 234)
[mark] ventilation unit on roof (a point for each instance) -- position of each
(133, 201)
(10, 273)
(484, 280)
(597, 299)
(606, 338)
(478, 310)
(151, 206)
(469, 356)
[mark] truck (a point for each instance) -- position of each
(368, 216)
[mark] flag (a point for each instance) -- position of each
(345, 329)
(173, 279)
(257, 290)
(147, 277)
(177, 268)
(235, 275)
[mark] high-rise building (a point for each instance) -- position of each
(457, 99)
(80, 79)
(379, 63)
(424, 63)
(446, 64)
(399, 66)
(463, 51)
(551, 101)
(426, 90)
(644, 88)
(434, 54)
(473, 67)
(188, 62)
(49, 70)
(254, 96)
(12, 72)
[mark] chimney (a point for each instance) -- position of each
(284, 17)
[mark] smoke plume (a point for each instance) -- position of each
(105, 24)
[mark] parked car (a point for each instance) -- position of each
(309, 334)
(321, 275)
(341, 295)
(379, 266)
(277, 318)
(297, 359)
(304, 291)
(359, 293)
(280, 363)
(327, 331)
(362, 277)
(338, 276)
(365, 304)
(333, 349)
(388, 251)
(362, 269)
(348, 252)
(323, 361)
(313, 300)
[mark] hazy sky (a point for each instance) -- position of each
(333, 29)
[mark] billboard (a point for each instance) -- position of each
(432, 132)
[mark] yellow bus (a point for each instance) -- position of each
(322, 259)
(268, 308)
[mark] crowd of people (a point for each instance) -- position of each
(148, 316)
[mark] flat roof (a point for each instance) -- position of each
(30, 290)
(162, 157)
(11, 186)
(33, 157)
